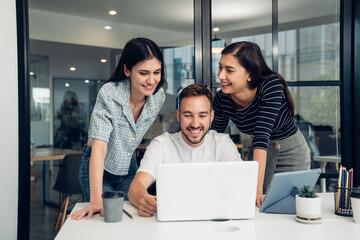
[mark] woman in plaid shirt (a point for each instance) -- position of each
(125, 108)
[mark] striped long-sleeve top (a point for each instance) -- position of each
(268, 116)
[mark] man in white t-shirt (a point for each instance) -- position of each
(195, 143)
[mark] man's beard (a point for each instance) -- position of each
(194, 142)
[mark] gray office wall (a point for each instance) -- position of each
(8, 121)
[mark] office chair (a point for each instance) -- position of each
(307, 129)
(67, 183)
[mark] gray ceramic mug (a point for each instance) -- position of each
(113, 205)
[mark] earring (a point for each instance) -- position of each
(249, 79)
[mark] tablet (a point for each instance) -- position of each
(282, 184)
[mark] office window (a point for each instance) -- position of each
(235, 21)
(309, 50)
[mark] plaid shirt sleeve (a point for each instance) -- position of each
(101, 118)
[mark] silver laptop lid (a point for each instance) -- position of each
(202, 191)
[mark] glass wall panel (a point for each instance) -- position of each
(320, 106)
(68, 35)
(39, 100)
(73, 101)
(309, 40)
(309, 50)
(235, 21)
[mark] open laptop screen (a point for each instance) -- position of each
(202, 191)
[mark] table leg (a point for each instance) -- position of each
(322, 180)
(46, 182)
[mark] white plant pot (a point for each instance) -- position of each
(308, 208)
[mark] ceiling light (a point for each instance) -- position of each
(87, 81)
(112, 12)
(72, 69)
(108, 27)
(103, 60)
(216, 29)
(67, 84)
(31, 73)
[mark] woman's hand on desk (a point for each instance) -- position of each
(147, 205)
(89, 211)
(259, 199)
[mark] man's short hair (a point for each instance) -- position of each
(195, 90)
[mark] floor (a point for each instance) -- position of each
(43, 217)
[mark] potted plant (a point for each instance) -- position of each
(308, 205)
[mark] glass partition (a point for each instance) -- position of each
(84, 44)
(309, 42)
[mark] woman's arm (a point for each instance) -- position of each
(260, 156)
(221, 119)
(96, 172)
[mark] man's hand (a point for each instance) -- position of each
(147, 205)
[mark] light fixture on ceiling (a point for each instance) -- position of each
(107, 27)
(103, 60)
(72, 69)
(216, 49)
(112, 12)
(86, 81)
(67, 84)
(31, 73)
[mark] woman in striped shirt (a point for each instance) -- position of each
(259, 103)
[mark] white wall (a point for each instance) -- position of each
(8, 121)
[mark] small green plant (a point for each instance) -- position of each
(307, 192)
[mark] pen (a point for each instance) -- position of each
(128, 214)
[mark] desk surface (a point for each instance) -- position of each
(42, 154)
(262, 226)
(331, 158)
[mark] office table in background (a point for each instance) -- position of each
(323, 160)
(46, 155)
(262, 226)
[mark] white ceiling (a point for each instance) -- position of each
(177, 15)
(167, 22)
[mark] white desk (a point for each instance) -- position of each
(323, 160)
(262, 226)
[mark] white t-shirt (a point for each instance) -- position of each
(171, 148)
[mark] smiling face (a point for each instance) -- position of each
(145, 76)
(195, 116)
(234, 77)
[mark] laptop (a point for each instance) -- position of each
(206, 191)
(282, 184)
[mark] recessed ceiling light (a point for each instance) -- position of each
(31, 73)
(216, 29)
(103, 60)
(72, 69)
(87, 81)
(67, 84)
(108, 27)
(112, 12)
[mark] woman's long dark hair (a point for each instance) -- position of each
(250, 57)
(135, 51)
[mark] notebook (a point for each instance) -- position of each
(282, 184)
(206, 191)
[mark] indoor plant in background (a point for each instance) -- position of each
(308, 205)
